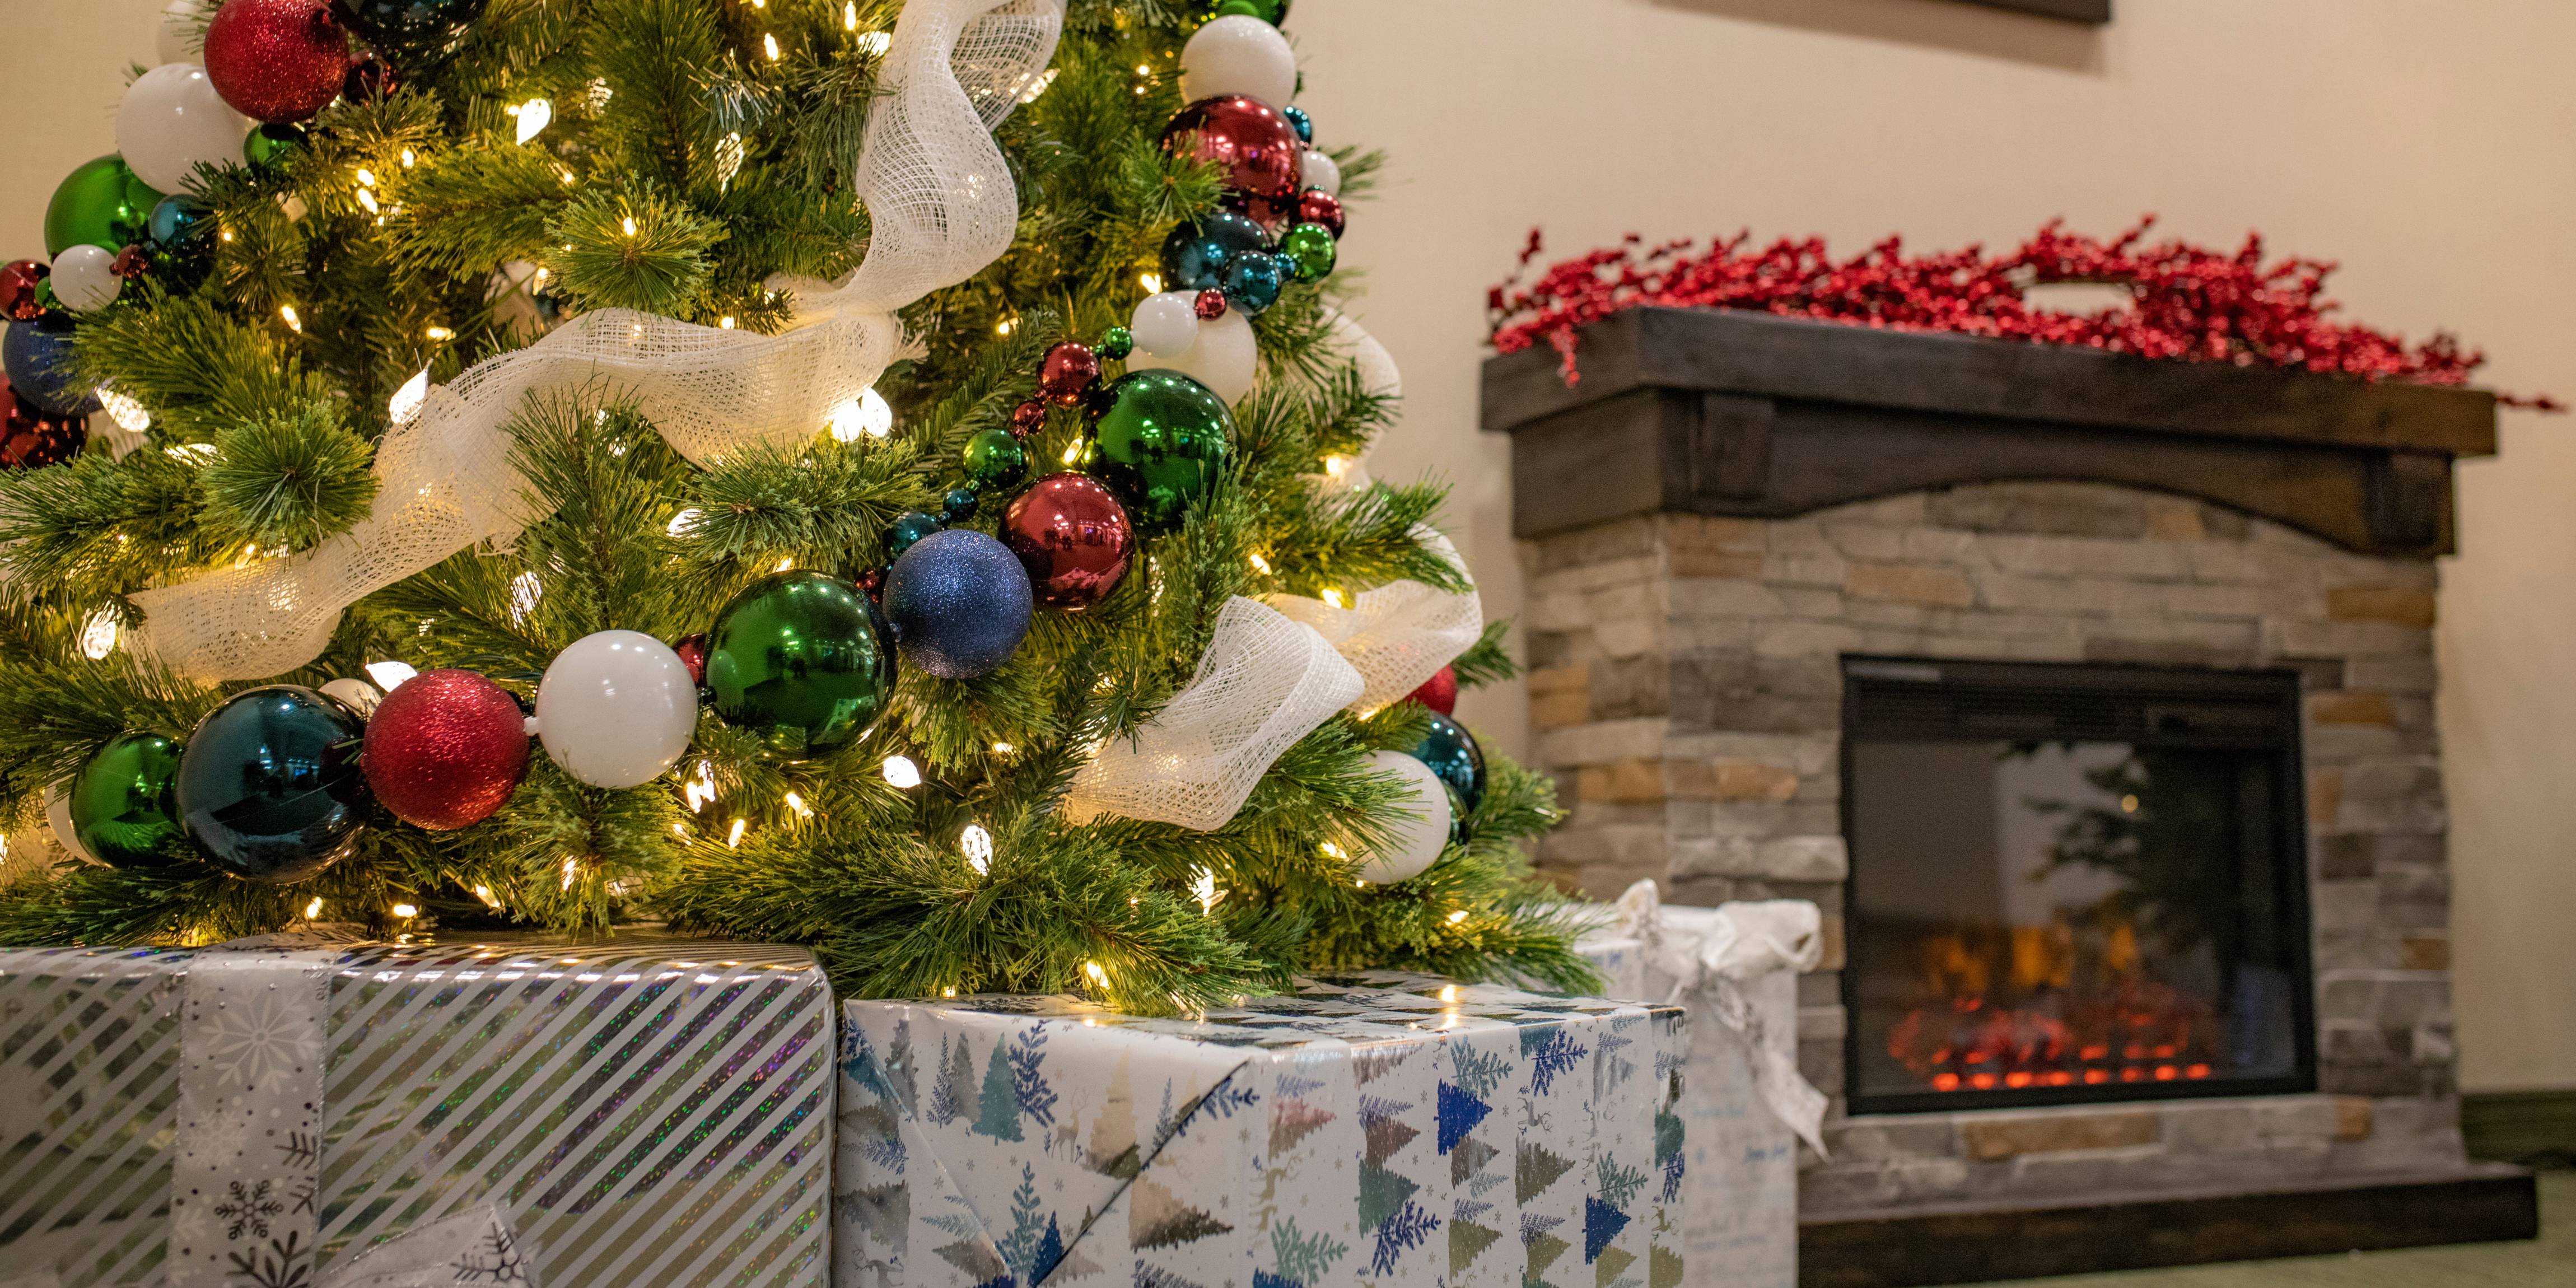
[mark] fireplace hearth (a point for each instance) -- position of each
(2091, 698)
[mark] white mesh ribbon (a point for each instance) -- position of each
(942, 206)
(1263, 683)
(1398, 635)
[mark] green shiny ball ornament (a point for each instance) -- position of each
(102, 204)
(1273, 12)
(802, 659)
(271, 145)
(1116, 343)
(1160, 441)
(125, 803)
(1310, 251)
(996, 459)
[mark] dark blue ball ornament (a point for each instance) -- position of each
(1252, 282)
(270, 787)
(38, 358)
(960, 602)
(1452, 753)
(1196, 256)
(181, 237)
(1305, 125)
(907, 531)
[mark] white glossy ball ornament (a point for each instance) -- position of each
(85, 278)
(1165, 325)
(617, 709)
(1239, 54)
(183, 31)
(172, 121)
(1420, 829)
(58, 815)
(1225, 358)
(1320, 172)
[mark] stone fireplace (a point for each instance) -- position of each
(2187, 608)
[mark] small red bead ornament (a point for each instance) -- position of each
(1029, 419)
(1210, 305)
(1440, 692)
(693, 655)
(1321, 207)
(30, 439)
(445, 750)
(277, 61)
(1070, 372)
(19, 298)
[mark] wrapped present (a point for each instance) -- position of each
(1735, 969)
(389, 1117)
(1380, 1129)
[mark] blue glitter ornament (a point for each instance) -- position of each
(907, 532)
(1452, 753)
(38, 358)
(1252, 282)
(1305, 124)
(1196, 256)
(960, 602)
(270, 787)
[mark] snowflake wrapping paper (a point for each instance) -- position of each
(1380, 1129)
(399, 1117)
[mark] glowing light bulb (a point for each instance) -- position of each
(525, 592)
(868, 415)
(850, 16)
(1152, 282)
(902, 773)
(368, 199)
(978, 846)
(797, 803)
(1449, 993)
(406, 910)
(439, 334)
(98, 635)
(313, 910)
(628, 224)
(1458, 916)
(571, 871)
(1260, 565)
(534, 116)
(1203, 886)
(1099, 977)
(406, 402)
(293, 319)
(733, 839)
(1003, 749)
(1336, 598)
(769, 46)
(366, 177)
(389, 676)
(876, 43)
(682, 522)
(484, 893)
(408, 159)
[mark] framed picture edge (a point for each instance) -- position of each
(2086, 11)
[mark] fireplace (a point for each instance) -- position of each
(2071, 884)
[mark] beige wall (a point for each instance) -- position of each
(2423, 143)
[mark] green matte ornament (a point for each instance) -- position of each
(801, 659)
(1160, 441)
(102, 204)
(125, 804)
(995, 459)
(1311, 250)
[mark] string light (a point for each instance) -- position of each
(1152, 282)
(525, 591)
(1449, 993)
(681, 523)
(408, 159)
(629, 224)
(98, 635)
(978, 846)
(948, 992)
(1003, 749)
(733, 839)
(1332, 851)
(293, 319)
(868, 415)
(726, 322)
(534, 116)
(850, 16)
(406, 402)
(571, 871)
(1260, 565)
(1336, 598)
(1006, 326)
(368, 199)
(439, 334)
(484, 893)
(1039, 86)
(1458, 916)
(786, 565)
(366, 177)
(876, 43)
(700, 792)
(902, 773)
(1203, 885)
(769, 46)
(797, 803)
(1099, 977)
(406, 910)
(1073, 452)
(313, 910)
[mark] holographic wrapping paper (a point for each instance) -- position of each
(1379, 1129)
(635, 1114)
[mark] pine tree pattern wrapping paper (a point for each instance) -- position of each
(398, 1117)
(1380, 1129)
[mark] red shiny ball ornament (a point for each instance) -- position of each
(693, 655)
(1210, 305)
(1321, 207)
(873, 582)
(30, 439)
(1073, 537)
(1256, 145)
(1440, 692)
(1071, 370)
(1029, 419)
(370, 78)
(18, 294)
(131, 263)
(277, 61)
(445, 750)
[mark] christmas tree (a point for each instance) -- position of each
(880, 475)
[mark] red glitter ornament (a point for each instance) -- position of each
(30, 439)
(19, 298)
(445, 750)
(1257, 146)
(276, 60)
(1071, 370)
(2188, 302)
(1321, 207)
(1073, 537)
(693, 655)
(1028, 419)
(1210, 305)
(1440, 692)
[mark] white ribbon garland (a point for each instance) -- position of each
(1712, 960)
(1398, 635)
(941, 205)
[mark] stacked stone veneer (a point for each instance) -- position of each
(1687, 688)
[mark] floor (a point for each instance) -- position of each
(2546, 1262)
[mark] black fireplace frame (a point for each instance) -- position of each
(2150, 704)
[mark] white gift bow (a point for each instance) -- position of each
(1749, 941)
(941, 206)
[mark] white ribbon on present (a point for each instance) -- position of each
(1264, 683)
(1399, 634)
(942, 206)
(1713, 963)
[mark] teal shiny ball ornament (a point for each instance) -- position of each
(907, 531)
(1452, 753)
(1160, 441)
(181, 239)
(1253, 282)
(995, 459)
(102, 204)
(1310, 251)
(802, 660)
(270, 787)
(959, 505)
(125, 804)
(1197, 256)
(1297, 119)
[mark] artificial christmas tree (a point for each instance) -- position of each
(1012, 616)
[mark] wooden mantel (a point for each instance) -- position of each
(1719, 412)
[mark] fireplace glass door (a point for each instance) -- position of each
(2072, 884)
